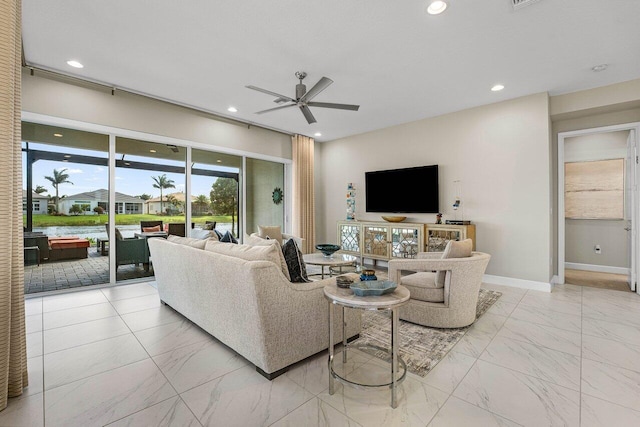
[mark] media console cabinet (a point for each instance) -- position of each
(380, 240)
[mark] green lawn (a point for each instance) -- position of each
(121, 219)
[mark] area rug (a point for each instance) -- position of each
(420, 347)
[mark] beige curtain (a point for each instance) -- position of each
(13, 349)
(304, 219)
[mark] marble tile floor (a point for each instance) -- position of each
(117, 357)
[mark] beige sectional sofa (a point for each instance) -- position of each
(248, 305)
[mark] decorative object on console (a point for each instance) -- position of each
(327, 249)
(439, 219)
(457, 199)
(394, 218)
(277, 195)
(351, 202)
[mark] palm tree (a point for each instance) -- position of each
(201, 201)
(162, 182)
(59, 177)
(39, 189)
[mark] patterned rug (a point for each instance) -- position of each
(420, 347)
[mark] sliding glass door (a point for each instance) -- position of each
(65, 188)
(70, 237)
(150, 201)
(215, 189)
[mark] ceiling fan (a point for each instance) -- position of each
(303, 99)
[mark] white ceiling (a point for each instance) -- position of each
(399, 63)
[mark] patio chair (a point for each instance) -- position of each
(177, 229)
(130, 251)
(150, 224)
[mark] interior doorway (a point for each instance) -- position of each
(598, 207)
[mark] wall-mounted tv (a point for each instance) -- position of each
(410, 190)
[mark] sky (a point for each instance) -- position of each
(128, 181)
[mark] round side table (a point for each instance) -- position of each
(391, 302)
(335, 260)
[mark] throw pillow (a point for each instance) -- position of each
(218, 234)
(295, 262)
(228, 238)
(187, 241)
(151, 229)
(271, 253)
(209, 226)
(454, 250)
(271, 232)
(119, 234)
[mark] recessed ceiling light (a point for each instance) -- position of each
(437, 7)
(599, 68)
(66, 156)
(232, 109)
(219, 161)
(152, 151)
(127, 164)
(317, 134)
(65, 160)
(497, 88)
(57, 135)
(75, 64)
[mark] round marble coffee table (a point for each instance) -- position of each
(391, 302)
(335, 260)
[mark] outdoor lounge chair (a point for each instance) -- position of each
(131, 250)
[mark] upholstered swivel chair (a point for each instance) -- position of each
(444, 292)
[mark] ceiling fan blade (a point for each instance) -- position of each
(307, 114)
(332, 105)
(268, 92)
(319, 87)
(276, 108)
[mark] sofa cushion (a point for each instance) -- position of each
(228, 238)
(454, 250)
(270, 232)
(295, 262)
(270, 253)
(423, 287)
(151, 229)
(187, 241)
(257, 241)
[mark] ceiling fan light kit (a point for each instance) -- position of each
(303, 99)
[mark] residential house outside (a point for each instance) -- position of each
(125, 204)
(39, 203)
(152, 206)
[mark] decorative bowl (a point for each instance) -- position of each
(394, 218)
(373, 287)
(327, 249)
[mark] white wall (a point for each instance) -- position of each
(501, 152)
(581, 236)
(92, 104)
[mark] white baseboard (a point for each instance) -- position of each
(517, 283)
(594, 267)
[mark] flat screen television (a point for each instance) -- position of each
(409, 190)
